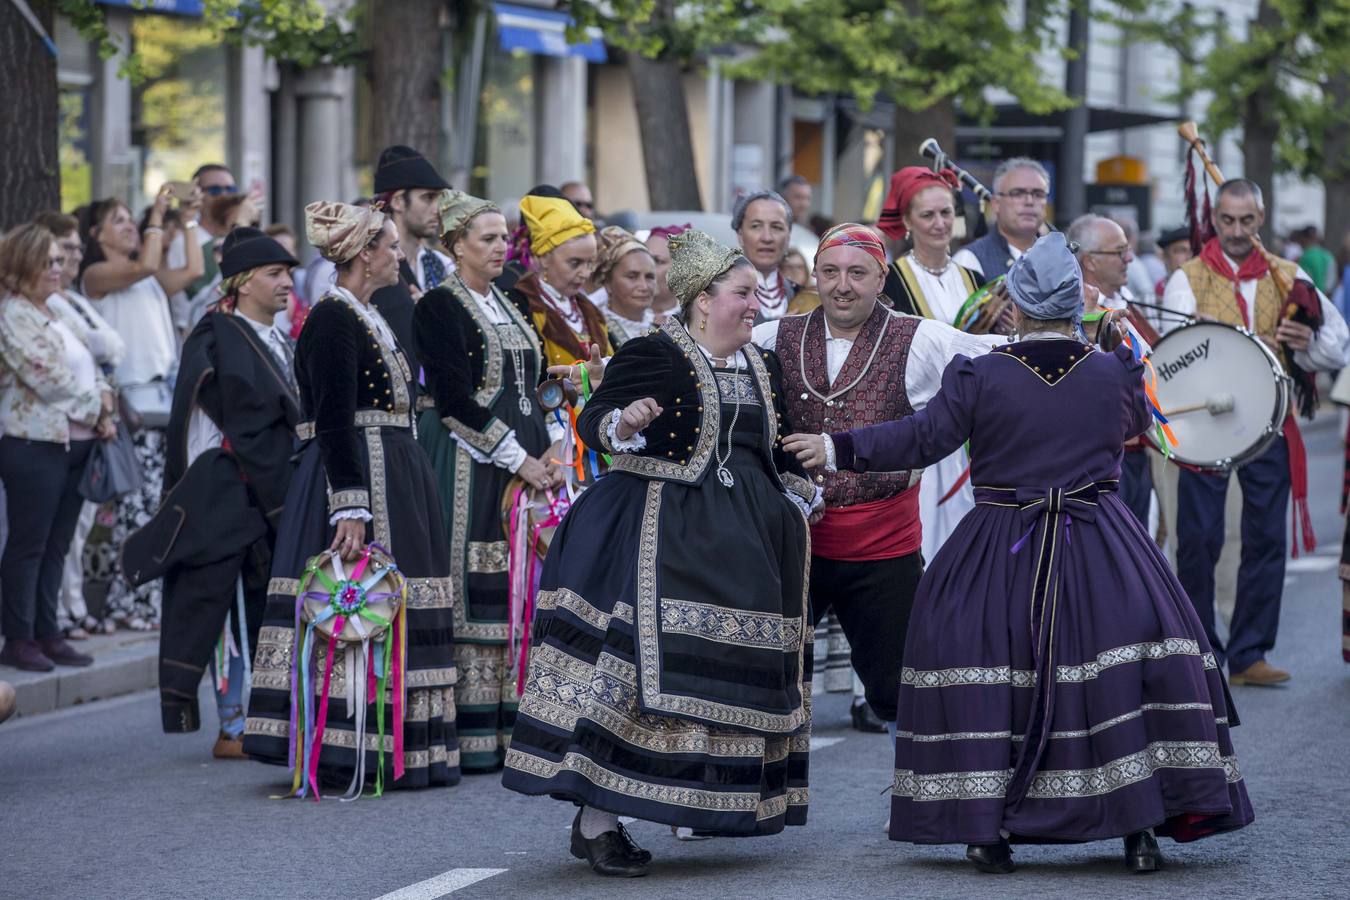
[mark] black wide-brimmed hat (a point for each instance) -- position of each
(1176, 235)
(401, 168)
(248, 248)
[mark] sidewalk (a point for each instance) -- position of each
(123, 662)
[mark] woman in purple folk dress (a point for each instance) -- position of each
(1058, 685)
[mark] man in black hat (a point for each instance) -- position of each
(409, 186)
(231, 437)
(1175, 249)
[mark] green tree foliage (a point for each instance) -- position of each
(297, 31)
(1293, 59)
(915, 52)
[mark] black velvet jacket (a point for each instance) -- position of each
(230, 373)
(396, 304)
(669, 367)
(462, 355)
(348, 381)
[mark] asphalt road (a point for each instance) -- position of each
(96, 803)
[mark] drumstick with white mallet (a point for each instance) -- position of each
(1217, 405)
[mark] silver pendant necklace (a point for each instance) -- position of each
(723, 473)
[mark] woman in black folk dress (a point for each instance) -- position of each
(361, 477)
(669, 677)
(482, 359)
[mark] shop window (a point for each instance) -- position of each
(178, 111)
(504, 163)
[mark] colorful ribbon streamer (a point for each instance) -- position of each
(345, 600)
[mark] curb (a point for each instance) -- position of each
(123, 663)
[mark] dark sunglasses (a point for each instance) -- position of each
(216, 190)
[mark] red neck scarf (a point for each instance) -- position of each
(1253, 268)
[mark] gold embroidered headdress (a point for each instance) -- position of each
(339, 231)
(456, 208)
(695, 260)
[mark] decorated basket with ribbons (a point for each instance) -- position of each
(358, 612)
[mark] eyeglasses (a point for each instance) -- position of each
(216, 190)
(1121, 253)
(1024, 193)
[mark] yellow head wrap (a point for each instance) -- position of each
(552, 221)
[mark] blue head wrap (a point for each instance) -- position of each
(1047, 282)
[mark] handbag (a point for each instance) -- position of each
(111, 470)
(151, 401)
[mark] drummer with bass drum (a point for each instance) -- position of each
(1232, 281)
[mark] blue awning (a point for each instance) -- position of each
(175, 7)
(544, 31)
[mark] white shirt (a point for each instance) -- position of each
(81, 364)
(945, 293)
(176, 258)
(104, 341)
(935, 344)
(1329, 348)
(203, 434)
(964, 257)
(567, 310)
(140, 315)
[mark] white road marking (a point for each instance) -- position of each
(1318, 563)
(820, 743)
(441, 885)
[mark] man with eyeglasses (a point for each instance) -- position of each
(1021, 188)
(580, 196)
(1104, 253)
(216, 182)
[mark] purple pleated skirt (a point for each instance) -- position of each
(1135, 731)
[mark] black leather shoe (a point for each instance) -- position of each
(26, 655)
(58, 651)
(995, 859)
(613, 853)
(866, 720)
(1142, 853)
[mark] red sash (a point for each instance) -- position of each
(881, 529)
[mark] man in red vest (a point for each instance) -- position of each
(849, 363)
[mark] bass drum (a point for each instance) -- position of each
(1223, 391)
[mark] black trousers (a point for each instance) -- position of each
(196, 602)
(873, 601)
(40, 478)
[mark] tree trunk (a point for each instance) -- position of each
(914, 126)
(30, 167)
(1259, 126)
(405, 75)
(663, 122)
(1336, 165)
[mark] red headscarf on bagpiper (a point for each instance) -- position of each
(905, 184)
